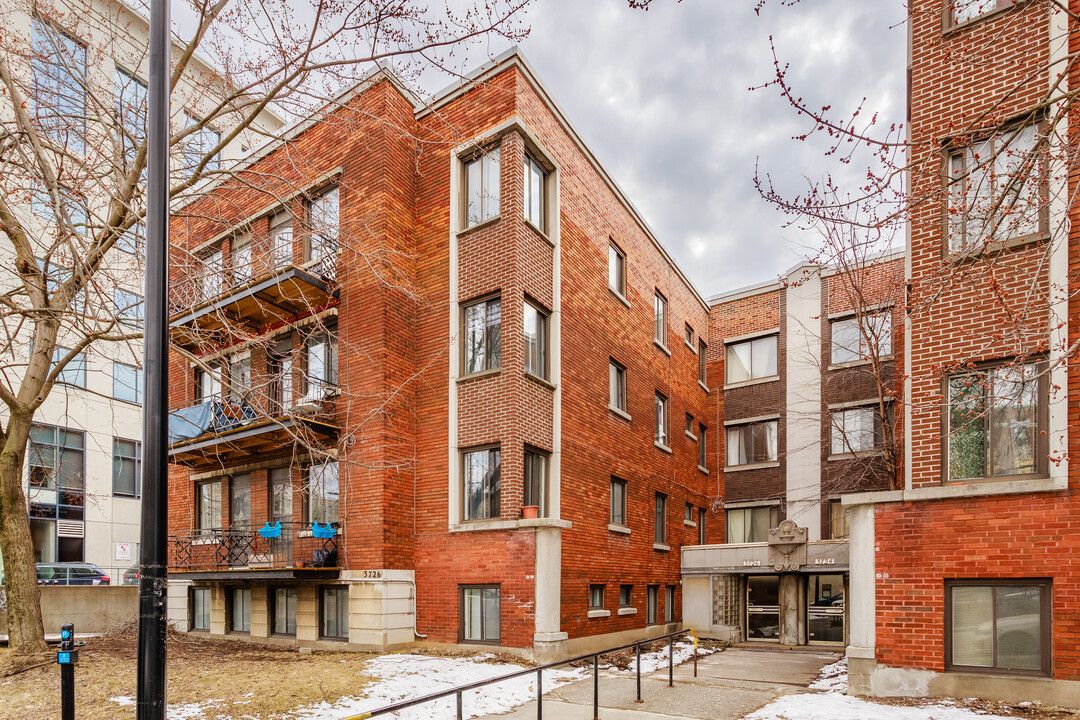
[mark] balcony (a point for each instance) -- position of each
(277, 296)
(293, 550)
(221, 433)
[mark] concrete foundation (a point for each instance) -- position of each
(90, 608)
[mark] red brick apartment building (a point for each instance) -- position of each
(430, 374)
(803, 381)
(965, 581)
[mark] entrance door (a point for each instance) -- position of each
(763, 608)
(825, 614)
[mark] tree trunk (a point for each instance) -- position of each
(26, 634)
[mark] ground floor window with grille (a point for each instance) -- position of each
(334, 612)
(240, 610)
(996, 626)
(651, 597)
(200, 608)
(480, 614)
(284, 612)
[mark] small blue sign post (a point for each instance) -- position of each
(67, 657)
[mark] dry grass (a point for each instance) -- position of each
(245, 680)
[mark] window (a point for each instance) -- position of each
(239, 379)
(616, 270)
(74, 373)
(701, 366)
(669, 604)
(323, 492)
(652, 594)
(281, 240)
(213, 272)
(998, 625)
(325, 226)
(200, 608)
(688, 515)
(751, 443)
(482, 483)
(127, 467)
(961, 11)
(208, 506)
(131, 108)
(281, 495)
(128, 307)
(996, 189)
(241, 259)
(849, 337)
(661, 420)
(751, 525)
(240, 502)
(57, 460)
(618, 501)
(535, 480)
(240, 610)
(856, 430)
(690, 426)
(838, 520)
(127, 383)
(616, 385)
(996, 421)
(334, 611)
(701, 526)
(207, 384)
(480, 614)
(483, 330)
(322, 363)
(279, 366)
(626, 596)
(702, 448)
(58, 68)
(535, 192)
(536, 330)
(660, 319)
(689, 335)
(596, 597)
(660, 519)
(284, 613)
(751, 360)
(482, 187)
(133, 240)
(198, 145)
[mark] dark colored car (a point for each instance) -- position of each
(71, 574)
(131, 576)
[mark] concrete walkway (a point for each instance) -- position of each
(729, 685)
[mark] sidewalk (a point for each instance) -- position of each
(729, 685)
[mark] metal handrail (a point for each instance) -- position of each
(670, 637)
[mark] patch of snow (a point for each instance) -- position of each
(406, 676)
(834, 706)
(123, 700)
(832, 678)
(657, 660)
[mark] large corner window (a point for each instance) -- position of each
(750, 360)
(483, 336)
(860, 339)
(535, 192)
(480, 614)
(996, 422)
(751, 443)
(482, 476)
(482, 187)
(996, 190)
(57, 460)
(998, 626)
(323, 492)
(751, 525)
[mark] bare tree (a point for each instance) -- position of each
(73, 156)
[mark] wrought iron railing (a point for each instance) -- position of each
(215, 416)
(274, 546)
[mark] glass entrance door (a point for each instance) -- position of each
(825, 614)
(763, 608)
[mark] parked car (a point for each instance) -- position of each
(71, 574)
(131, 576)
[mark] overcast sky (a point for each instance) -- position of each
(662, 99)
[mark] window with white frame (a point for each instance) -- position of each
(281, 240)
(751, 443)
(861, 338)
(321, 350)
(325, 225)
(535, 192)
(616, 385)
(660, 319)
(750, 360)
(856, 430)
(962, 11)
(239, 378)
(661, 418)
(213, 271)
(242, 259)
(208, 383)
(482, 187)
(208, 506)
(483, 336)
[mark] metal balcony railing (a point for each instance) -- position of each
(288, 545)
(213, 416)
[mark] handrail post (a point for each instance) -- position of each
(539, 695)
(637, 652)
(459, 714)
(596, 687)
(671, 661)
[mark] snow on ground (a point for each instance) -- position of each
(834, 706)
(832, 678)
(658, 660)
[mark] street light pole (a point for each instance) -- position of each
(152, 576)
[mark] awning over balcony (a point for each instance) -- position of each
(275, 297)
(228, 437)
